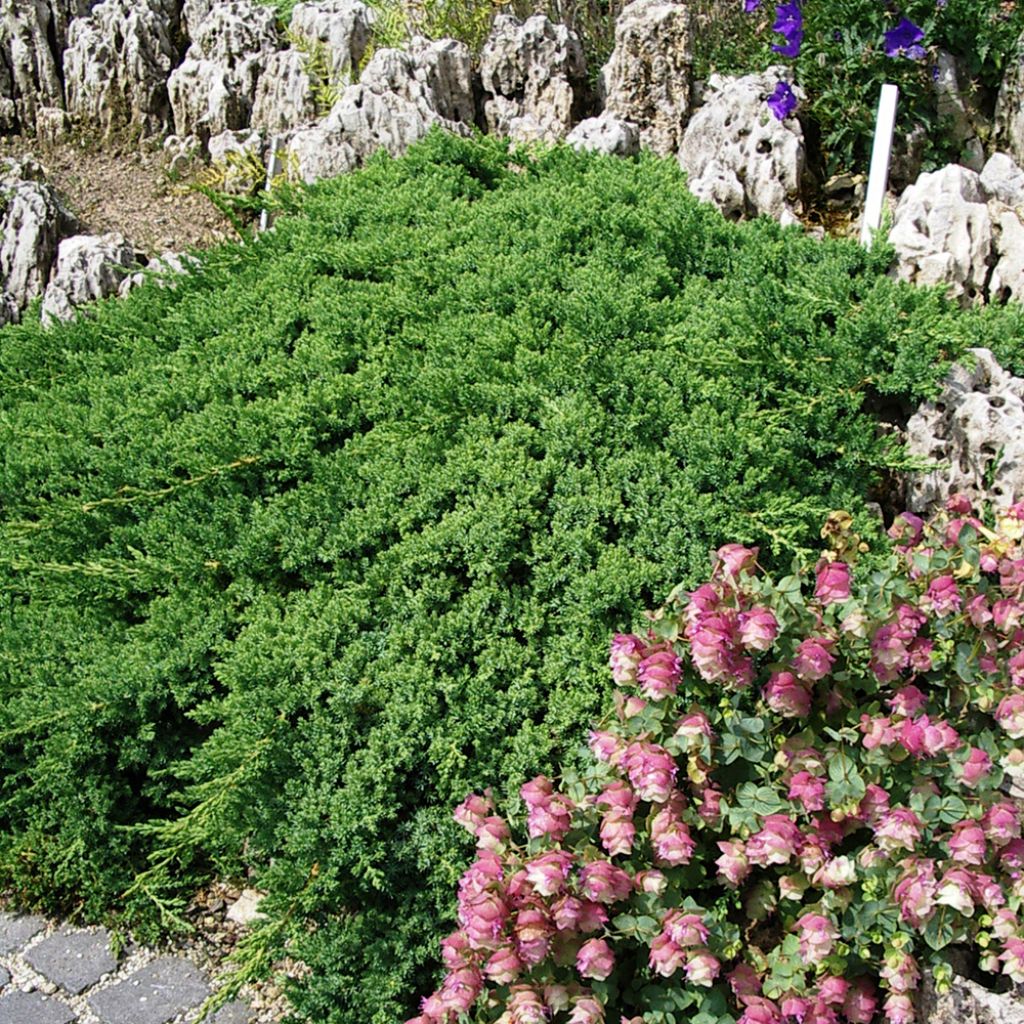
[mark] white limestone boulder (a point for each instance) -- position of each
(942, 233)
(32, 222)
(390, 108)
(738, 155)
(341, 27)
(117, 64)
(1002, 180)
(33, 37)
(214, 88)
(239, 156)
(445, 68)
(647, 79)
(284, 96)
(975, 431)
(89, 267)
(606, 134)
(534, 79)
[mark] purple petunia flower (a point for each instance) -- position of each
(749, 6)
(905, 41)
(789, 23)
(782, 102)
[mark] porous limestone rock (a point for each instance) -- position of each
(942, 233)
(284, 94)
(8, 111)
(193, 13)
(390, 108)
(967, 1002)
(534, 78)
(647, 78)
(88, 267)
(214, 87)
(1008, 126)
(9, 312)
(445, 68)
(235, 31)
(1007, 278)
(738, 155)
(341, 27)
(180, 153)
(951, 105)
(117, 64)
(164, 270)
(975, 429)
(240, 157)
(32, 222)
(33, 36)
(14, 170)
(1003, 180)
(52, 125)
(606, 134)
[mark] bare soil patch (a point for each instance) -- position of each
(126, 189)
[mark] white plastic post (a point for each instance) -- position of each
(881, 150)
(274, 168)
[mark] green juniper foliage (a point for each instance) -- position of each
(297, 552)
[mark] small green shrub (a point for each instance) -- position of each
(297, 552)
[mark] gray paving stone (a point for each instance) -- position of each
(73, 959)
(17, 929)
(232, 1013)
(34, 1008)
(4, 977)
(153, 994)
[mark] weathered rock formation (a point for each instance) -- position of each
(957, 228)
(117, 64)
(240, 157)
(738, 155)
(534, 79)
(647, 78)
(390, 108)
(445, 68)
(1009, 116)
(606, 134)
(88, 267)
(33, 37)
(341, 27)
(975, 429)
(967, 1002)
(32, 223)
(942, 232)
(214, 88)
(284, 95)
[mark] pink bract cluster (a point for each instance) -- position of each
(793, 808)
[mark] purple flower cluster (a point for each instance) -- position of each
(782, 102)
(789, 23)
(905, 41)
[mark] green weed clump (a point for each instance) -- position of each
(296, 553)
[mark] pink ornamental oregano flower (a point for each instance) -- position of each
(780, 760)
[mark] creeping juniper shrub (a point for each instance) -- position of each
(297, 552)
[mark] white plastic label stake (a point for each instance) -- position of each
(274, 168)
(881, 150)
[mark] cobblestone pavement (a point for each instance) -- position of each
(53, 974)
